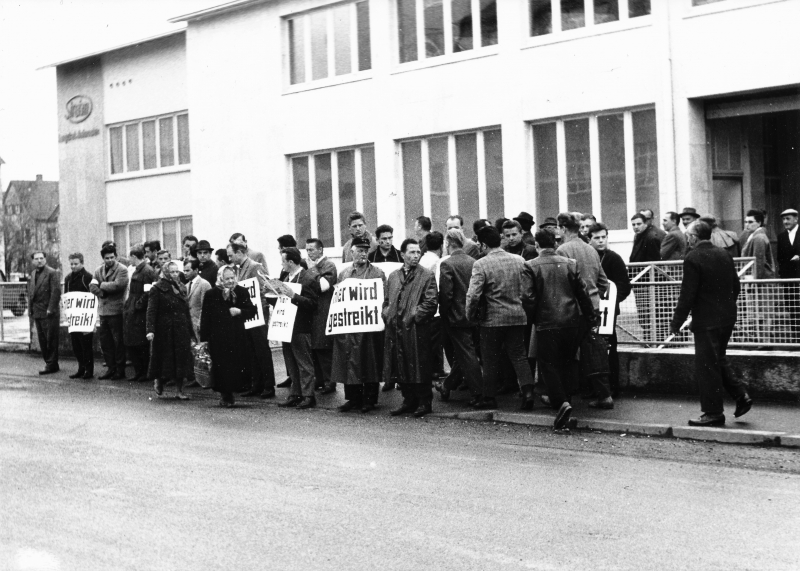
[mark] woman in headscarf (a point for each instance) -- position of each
(169, 328)
(225, 309)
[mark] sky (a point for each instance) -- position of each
(36, 33)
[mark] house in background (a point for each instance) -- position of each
(30, 222)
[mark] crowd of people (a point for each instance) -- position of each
(503, 308)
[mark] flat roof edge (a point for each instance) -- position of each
(214, 10)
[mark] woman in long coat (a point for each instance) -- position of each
(134, 312)
(225, 309)
(169, 327)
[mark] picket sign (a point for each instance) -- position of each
(608, 304)
(356, 307)
(282, 316)
(79, 311)
(254, 290)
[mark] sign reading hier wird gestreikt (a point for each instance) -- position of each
(356, 307)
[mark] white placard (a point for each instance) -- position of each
(147, 287)
(356, 307)
(608, 304)
(281, 319)
(79, 311)
(254, 289)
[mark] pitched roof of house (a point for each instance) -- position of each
(41, 196)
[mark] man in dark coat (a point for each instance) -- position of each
(262, 367)
(358, 357)
(44, 293)
(324, 273)
(615, 270)
(646, 248)
(298, 354)
(208, 268)
(455, 272)
(709, 290)
(134, 314)
(409, 307)
(673, 245)
(526, 222)
(789, 268)
(358, 229)
(512, 231)
(109, 283)
(470, 248)
(82, 343)
(385, 252)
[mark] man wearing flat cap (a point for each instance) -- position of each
(789, 268)
(526, 221)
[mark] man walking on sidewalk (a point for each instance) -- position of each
(109, 284)
(44, 293)
(709, 290)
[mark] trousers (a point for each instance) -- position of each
(140, 358)
(464, 359)
(366, 393)
(300, 364)
(47, 329)
(417, 393)
(711, 369)
(261, 358)
(555, 356)
(111, 343)
(83, 348)
(494, 342)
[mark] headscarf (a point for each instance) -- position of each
(177, 287)
(226, 293)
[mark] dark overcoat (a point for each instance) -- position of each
(358, 357)
(169, 320)
(227, 338)
(134, 311)
(44, 293)
(408, 308)
(323, 269)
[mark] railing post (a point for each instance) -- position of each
(2, 313)
(653, 316)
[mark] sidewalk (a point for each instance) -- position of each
(774, 423)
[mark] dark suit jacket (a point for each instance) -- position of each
(646, 246)
(709, 289)
(615, 270)
(306, 302)
(323, 269)
(45, 295)
(673, 245)
(454, 275)
(786, 251)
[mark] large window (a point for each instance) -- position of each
(605, 164)
(453, 174)
(329, 42)
(169, 231)
(431, 28)
(148, 144)
(553, 16)
(327, 187)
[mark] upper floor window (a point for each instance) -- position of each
(549, 16)
(156, 143)
(329, 42)
(431, 28)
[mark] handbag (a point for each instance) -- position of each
(594, 355)
(202, 365)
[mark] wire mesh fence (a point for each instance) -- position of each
(14, 326)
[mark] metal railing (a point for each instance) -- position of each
(15, 325)
(768, 310)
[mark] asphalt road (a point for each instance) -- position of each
(108, 478)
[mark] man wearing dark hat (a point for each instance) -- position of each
(688, 216)
(526, 222)
(208, 269)
(789, 268)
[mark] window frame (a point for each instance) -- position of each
(309, 83)
(483, 203)
(615, 235)
(692, 11)
(141, 171)
(179, 222)
(335, 249)
(557, 35)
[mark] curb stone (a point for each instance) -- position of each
(791, 441)
(728, 435)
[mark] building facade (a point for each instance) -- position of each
(303, 110)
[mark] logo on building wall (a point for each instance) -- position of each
(78, 109)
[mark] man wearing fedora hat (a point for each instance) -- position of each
(526, 221)
(789, 268)
(208, 269)
(688, 215)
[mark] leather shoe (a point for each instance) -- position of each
(545, 400)
(486, 404)
(404, 408)
(743, 405)
(48, 370)
(307, 402)
(328, 389)
(563, 416)
(606, 403)
(445, 393)
(348, 406)
(527, 403)
(423, 410)
(107, 375)
(708, 420)
(475, 400)
(78, 375)
(120, 377)
(251, 393)
(267, 394)
(368, 407)
(88, 375)
(285, 384)
(291, 401)
(158, 387)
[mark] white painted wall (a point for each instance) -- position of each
(149, 197)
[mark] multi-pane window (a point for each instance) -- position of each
(329, 42)
(327, 188)
(605, 164)
(169, 232)
(431, 28)
(552, 16)
(460, 173)
(149, 144)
